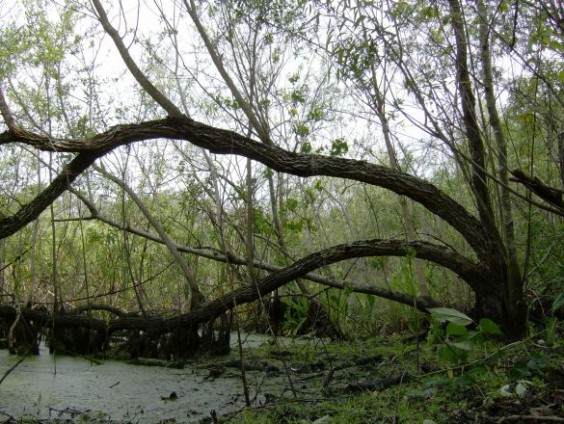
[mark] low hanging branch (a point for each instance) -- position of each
(444, 256)
(11, 224)
(208, 311)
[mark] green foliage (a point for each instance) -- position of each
(339, 147)
(301, 129)
(261, 222)
(13, 43)
(306, 147)
(296, 315)
(450, 315)
(416, 398)
(456, 340)
(529, 364)
(558, 304)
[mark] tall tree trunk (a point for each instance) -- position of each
(499, 296)
(514, 289)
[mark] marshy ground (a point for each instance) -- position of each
(395, 379)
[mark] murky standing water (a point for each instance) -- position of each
(45, 386)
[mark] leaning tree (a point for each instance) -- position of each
(438, 71)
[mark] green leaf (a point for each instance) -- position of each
(292, 204)
(294, 78)
(435, 382)
(456, 330)
(521, 388)
(378, 262)
(505, 390)
(298, 96)
(315, 114)
(446, 354)
(521, 369)
(551, 326)
(301, 129)
(306, 147)
(556, 45)
(451, 315)
(537, 362)
(295, 226)
(487, 326)
(504, 7)
(268, 173)
(429, 12)
(338, 147)
(465, 345)
(465, 380)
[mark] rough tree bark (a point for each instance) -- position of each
(485, 244)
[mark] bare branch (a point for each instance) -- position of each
(153, 91)
(245, 106)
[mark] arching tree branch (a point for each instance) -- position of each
(222, 141)
(246, 294)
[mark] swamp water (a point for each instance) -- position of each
(65, 387)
